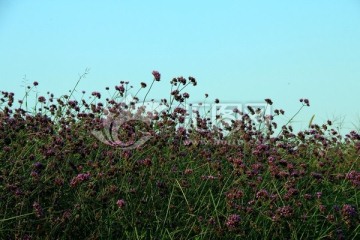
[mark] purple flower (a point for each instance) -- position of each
(188, 171)
(348, 211)
(38, 165)
(318, 195)
(285, 211)
(306, 101)
(186, 95)
(233, 220)
(316, 175)
(208, 177)
(268, 101)
(37, 209)
(120, 203)
(192, 80)
(79, 178)
(120, 88)
(96, 94)
(307, 196)
(41, 99)
(262, 194)
(146, 162)
(156, 75)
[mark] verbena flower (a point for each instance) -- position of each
(232, 221)
(41, 99)
(348, 211)
(38, 209)
(156, 75)
(121, 203)
(285, 211)
(79, 178)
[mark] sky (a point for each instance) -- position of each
(239, 51)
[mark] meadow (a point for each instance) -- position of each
(261, 181)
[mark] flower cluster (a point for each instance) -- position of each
(38, 209)
(156, 75)
(120, 203)
(259, 171)
(79, 178)
(232, 221)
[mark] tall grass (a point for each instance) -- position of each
(60, 182)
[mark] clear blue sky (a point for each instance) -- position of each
(239, 51)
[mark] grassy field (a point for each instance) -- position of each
(58, 181)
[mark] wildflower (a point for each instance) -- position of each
(79, 178)
(322, 208)
(146, 162)
(120, 88)
(236, 110)
(188, 142)
(285, 211)
(193, 81)
(208, 177)
(211, 221)
(175, 92)
(318, 195)
(306, 101)
(251, 110)
(35, 83)
(59, 181)
(232, 221)
(330, 218)
(38, 165)
(317, 176)
(291, 192)
(19, 192)
(188, 171)
(156, 75)
(307, 196)
(143, 85)
(234, 194)
(348, 211)
(268, 101)
(38, 209)
(353, 177)
(120, 203)
(96, 94)
(217, 100)
(66, 215)
(186, 95)
(181, 80)
(41, 99)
